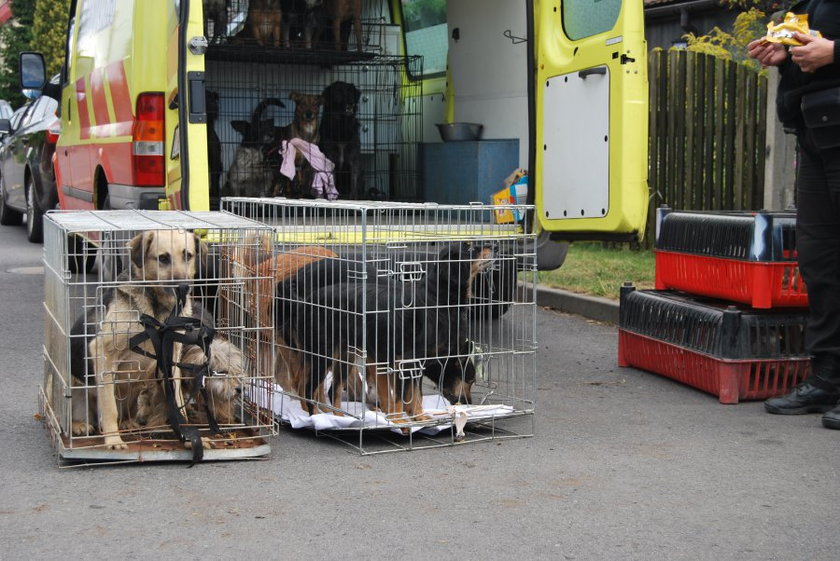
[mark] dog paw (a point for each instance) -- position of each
(115, 442)
(81, 428)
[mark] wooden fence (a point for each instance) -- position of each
(707, 133)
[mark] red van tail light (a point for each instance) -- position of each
(53, 131)
(148, 141)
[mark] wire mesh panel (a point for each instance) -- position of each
(399, 319)
(302, 116)
(152, 336)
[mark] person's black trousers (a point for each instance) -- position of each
(818, 248)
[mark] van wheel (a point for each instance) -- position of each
(8, 215)
(34, 215)
(80, 257)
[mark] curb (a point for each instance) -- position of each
(592, 307)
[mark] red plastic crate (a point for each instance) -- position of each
(730, 380)
(757, 284)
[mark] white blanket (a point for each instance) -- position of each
(288, 409)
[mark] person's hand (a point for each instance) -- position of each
(814, 53)
(767, 53)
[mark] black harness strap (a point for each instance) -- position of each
(163, 337)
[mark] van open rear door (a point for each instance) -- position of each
(186, 119)
(591, 117)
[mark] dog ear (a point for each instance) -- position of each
(201, 253)
(138, 246)
(294, 96)
(242, 127)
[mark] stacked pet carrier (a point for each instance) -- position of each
(729, 310)
(151, 355)
(400, 325)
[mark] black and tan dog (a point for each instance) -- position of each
(407, 330)
(160, 260)
(252, 172)
(340, 140)
(301, 17)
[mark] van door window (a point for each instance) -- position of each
(426, 34)
(584, 18)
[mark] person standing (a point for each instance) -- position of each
(808, 104)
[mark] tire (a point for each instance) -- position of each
(8, 215)
(34, 215)
(80, 258)
(498, 287)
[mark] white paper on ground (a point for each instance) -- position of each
(288, 409)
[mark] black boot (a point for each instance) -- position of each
(831, 420)
(819, 393)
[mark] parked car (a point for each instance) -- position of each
(27, 177)
(5, 109)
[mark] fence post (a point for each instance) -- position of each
(780, 154)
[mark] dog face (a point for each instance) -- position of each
(341, 98)
(307, 109)
(166, 255)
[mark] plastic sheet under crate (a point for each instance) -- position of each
(733, 352)
(740, 256)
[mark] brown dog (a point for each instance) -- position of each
(339, 12)
(305, 126)
(266, 20)
(224, 387)
(160, 259)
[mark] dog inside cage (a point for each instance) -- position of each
(386, 317)
(161, 351)
(307, 114)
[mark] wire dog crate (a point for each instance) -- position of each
(343, 113)
(151, 355)
(398, 324)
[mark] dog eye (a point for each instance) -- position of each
(187, 255)
(163, 259)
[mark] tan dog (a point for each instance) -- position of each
(266, 20)
(170, 256)
(305, 125)
(339, 12)
(224, 387)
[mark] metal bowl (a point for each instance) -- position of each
(460, 131)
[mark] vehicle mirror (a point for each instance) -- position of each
(33, 73)
(5, 126)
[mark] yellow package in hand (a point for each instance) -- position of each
(783, 32)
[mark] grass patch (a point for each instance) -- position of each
(591, 268)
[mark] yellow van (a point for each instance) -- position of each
(174, 103)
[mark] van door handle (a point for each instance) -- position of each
(602, 70)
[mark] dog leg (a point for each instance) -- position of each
(105, 398)
(357, 23)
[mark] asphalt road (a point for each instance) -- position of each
(624, 465)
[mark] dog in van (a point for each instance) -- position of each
(341, 14)
(159, 260)
(265, 17)
(304, 125)
(251, 174)
(216, 11)
(301, 15)
(340, 139)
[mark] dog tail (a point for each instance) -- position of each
(255, 249)
(256, 116)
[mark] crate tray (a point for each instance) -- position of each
(731, 380)
(757, 284)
